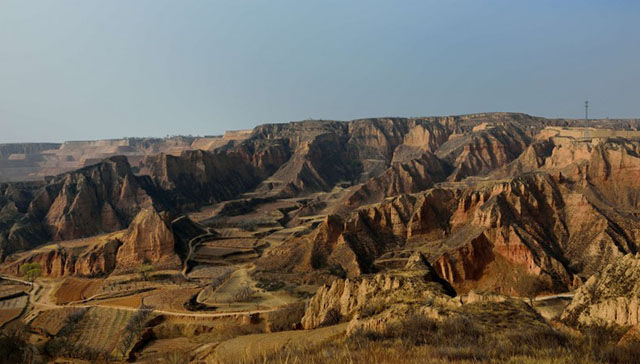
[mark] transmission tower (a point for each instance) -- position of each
(586, 118)
(586, 111)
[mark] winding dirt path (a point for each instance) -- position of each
(35, 287)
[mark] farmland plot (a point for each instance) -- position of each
(101, 329)
(12, 307)
(76, 289)
(52, 321)
(171, 299)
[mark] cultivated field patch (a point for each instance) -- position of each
(100, 329)
(76, 289)
(172, 299)
(12, 307)
(50, 322)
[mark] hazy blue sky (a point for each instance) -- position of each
(101, 69)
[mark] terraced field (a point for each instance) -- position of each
(11, 308)
(51, 322)
(170, 299)
(226, 251)
(76, 289)
(9, 290)
(101, 328)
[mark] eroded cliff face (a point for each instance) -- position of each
(95, 260)
(101, 198)
(346, 299)
(93, 200)
(148, 239)
(393, 155)
(388, 155)
(611, 296)
(196, 178)
(483, 195)
(608, 167)
(488, 236)
(412, 176)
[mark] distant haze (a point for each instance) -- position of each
(74, 70)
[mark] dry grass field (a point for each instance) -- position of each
(158, 349)
(455, 340)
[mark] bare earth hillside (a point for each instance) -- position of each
(328, 240)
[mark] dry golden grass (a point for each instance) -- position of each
(158, 349)
(484, 332)
(451, 345)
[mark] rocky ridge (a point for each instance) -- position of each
(609, 297)
(347, 299)
(503, 191)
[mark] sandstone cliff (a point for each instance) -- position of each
(148, 239)
(504, 193)
(100, 198)
(197, 178)
(94, 260)
(611, 296)
(366, 295)
(93, 200)
(489, 236)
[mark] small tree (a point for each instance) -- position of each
(530, 286)
(31, 271)
(145, 271)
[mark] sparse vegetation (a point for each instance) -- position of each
(31, 271)
(145, 270)
(458, 340)
(530, 286)
(14, 349)
(286, 318)
(132, 330)
(177, 357)
(218, 280)
(244, 294)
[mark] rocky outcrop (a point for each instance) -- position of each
(36, 161)
(97, 199)
(607, 166)
(407, 177)
(491, 236)
(93, 200)
(196, 178)
(346, 299)
(148, 239)
(95, 260)
(609, 297)
(482, 195)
